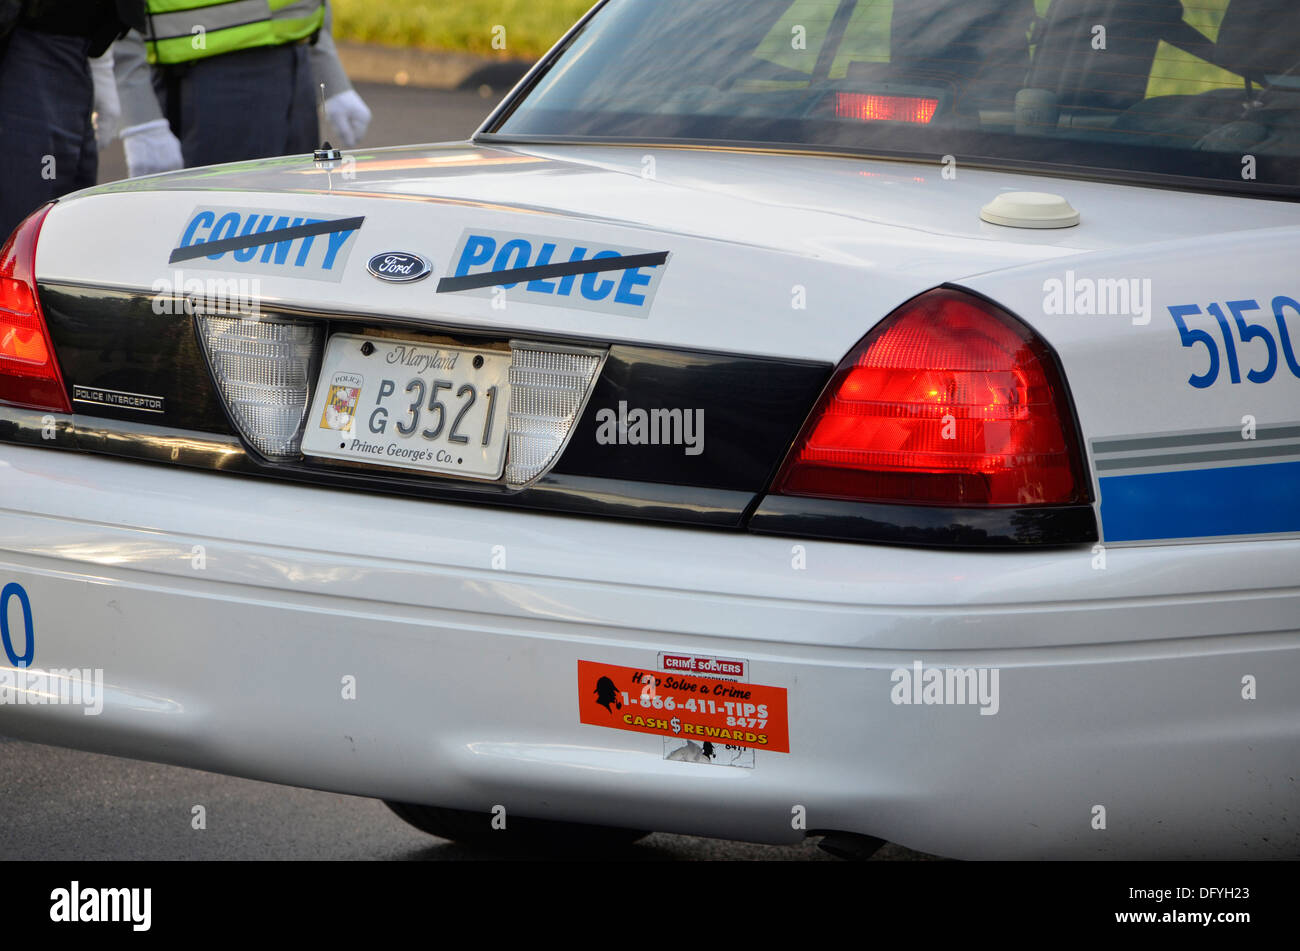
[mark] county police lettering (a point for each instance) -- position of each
(627, 288)
(267, 241)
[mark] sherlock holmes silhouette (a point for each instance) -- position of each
(606, 693)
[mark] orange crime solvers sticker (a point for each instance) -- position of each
(665, 703)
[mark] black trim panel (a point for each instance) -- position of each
(925, 525)
(578, 495)
(116, 340)
(554, 493)
(751, 408)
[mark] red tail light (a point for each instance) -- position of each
(868, 107)
(29, 373)
(950, 401)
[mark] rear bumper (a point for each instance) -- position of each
(227, 615)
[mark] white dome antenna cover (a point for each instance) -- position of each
(1030, 210)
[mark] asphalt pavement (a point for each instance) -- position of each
(58, 804)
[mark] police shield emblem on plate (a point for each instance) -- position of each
(400, 267)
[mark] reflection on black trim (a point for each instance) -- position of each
(554, 493)
(925, 525)
(690, 506)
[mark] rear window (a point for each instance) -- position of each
(1202, 93)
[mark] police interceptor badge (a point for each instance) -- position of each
(399, 267)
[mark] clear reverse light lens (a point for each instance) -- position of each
(265, 369)
(547, 390)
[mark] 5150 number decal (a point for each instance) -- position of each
(1276, 350)
(11, 591)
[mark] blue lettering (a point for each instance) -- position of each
(632, 277)
(566, 282)
(224, 228)
(203, 217)
(15, 590)
(590, 289)
(513, 254)
(281, 248)
(247, 254)
(337, 240)
(478, 250)
(306, 243)
(1283, 334)
(543, 258)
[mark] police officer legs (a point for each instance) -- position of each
(45, 104)
(231, 80)
(247, 104)
(47, 139)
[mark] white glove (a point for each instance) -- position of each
(108, 108)
(350, 117)
(150, 148)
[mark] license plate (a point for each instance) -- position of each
(412, 405)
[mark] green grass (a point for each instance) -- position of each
(531, 26)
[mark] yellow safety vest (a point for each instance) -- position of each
(181, 31)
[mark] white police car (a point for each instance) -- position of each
(871, 420)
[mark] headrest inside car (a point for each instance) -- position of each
(1259, 38)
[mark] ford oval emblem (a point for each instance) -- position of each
(400, 267)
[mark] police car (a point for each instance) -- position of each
(864, 420)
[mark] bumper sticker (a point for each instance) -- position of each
(683, 707)
(682, 750)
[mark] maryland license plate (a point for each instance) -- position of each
(412, 405)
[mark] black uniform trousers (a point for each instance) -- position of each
(249, 104)
(47, 141)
